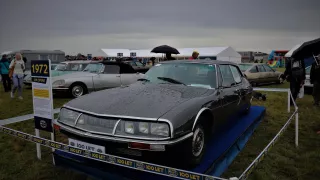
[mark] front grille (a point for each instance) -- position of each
(96, 124)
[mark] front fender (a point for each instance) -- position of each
(183, 116)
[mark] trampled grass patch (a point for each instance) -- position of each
(284, 161)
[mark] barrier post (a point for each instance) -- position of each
(289, 97)
(297, 128)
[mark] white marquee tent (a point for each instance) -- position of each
(217, 53)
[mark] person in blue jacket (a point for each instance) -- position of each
(4, 71)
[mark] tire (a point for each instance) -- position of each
(196, 145)
(77, 90)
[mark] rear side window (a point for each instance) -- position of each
(261, 68)
(253, 69)
(112, 69)
(268, 68)
(236, 74)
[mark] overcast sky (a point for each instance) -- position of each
(88, 25)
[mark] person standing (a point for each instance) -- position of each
(315, 80)
(4, 71)
(295, 73)
(195, 55)
(169, 57)
(18, 67)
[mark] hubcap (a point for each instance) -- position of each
(197, 142)
(77, 91)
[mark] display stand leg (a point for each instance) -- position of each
(297, 129)
(38, 145)
(289, 97)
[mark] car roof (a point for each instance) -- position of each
(77, 61)
(212, 62)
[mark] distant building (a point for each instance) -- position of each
(251, 56)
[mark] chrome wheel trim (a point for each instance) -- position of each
(197, 142)
(77, 91)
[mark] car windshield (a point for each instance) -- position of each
(189, 74)
(61, 67)
(93, 68)
(244, 67)
(308, 69)
(53, 66)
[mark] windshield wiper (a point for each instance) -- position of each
(170, 80)
(143, 79)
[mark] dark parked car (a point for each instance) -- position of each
(138, 66)
(175, 107)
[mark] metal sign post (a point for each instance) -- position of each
(42, 98)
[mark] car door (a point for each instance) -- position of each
(228, 95)
(128, 75)
(240, 90)
(272, 75)
(263, 74)
(109, 77)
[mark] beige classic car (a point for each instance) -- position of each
(260, 73)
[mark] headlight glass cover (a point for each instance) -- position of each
(143, 129)
(68, 116)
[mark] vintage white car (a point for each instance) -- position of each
(96, 76)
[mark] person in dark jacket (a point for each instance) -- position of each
(295, 73)
(4, 71)
(315, 80)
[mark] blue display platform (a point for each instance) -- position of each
(221, 151)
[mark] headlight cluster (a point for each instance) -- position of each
(143, 129)
(124, 128)
(67, 116)
(58, 83)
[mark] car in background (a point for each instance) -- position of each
(307, 83)
(258, 73)
(62, 68)
(96, 76)
(138, 66)
(175, 108)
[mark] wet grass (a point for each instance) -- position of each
(18, 158)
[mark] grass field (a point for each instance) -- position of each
(284, 161)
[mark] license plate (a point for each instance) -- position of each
(86, 146)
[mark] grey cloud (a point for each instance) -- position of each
(80, 24)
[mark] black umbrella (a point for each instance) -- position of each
(307, 49)
(165, 49)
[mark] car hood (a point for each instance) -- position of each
(138, 100)
(73, 75)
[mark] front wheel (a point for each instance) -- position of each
(77, 90)
(195, 146)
